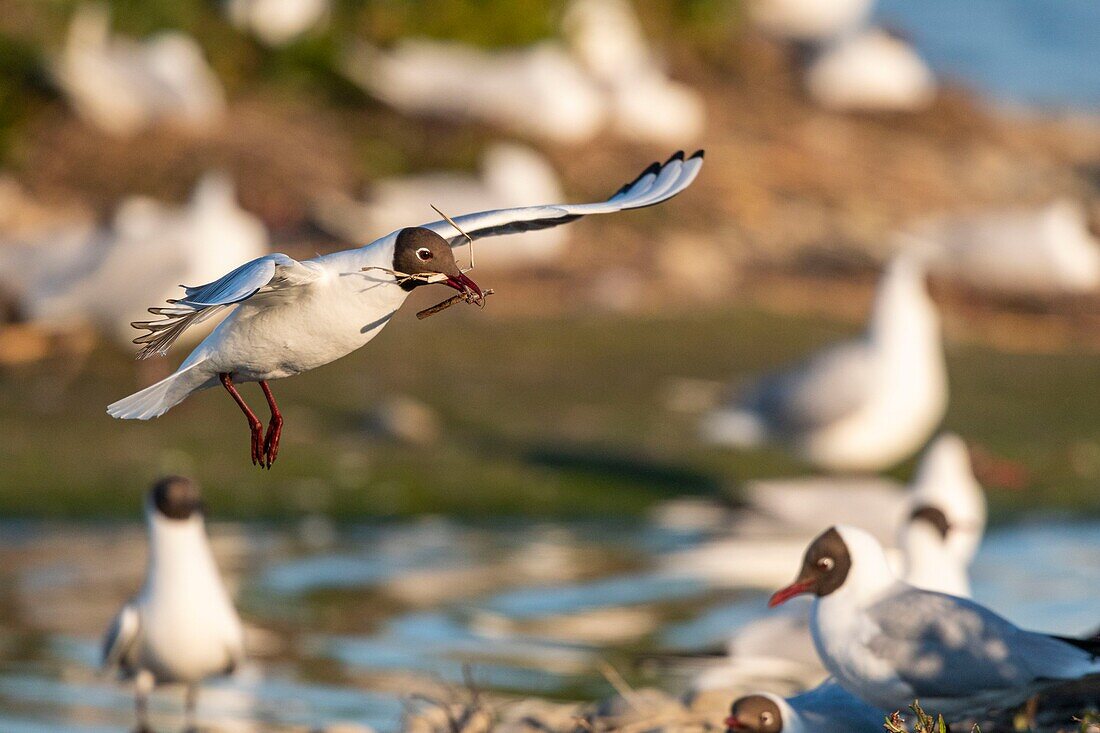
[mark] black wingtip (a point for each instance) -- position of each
(653, 167)
(1091, 645)
(698, 154)
(678, 155)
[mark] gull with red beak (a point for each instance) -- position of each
(289, 317)
(890, 643)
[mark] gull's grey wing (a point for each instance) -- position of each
(269, 273)
(822, 390)
(655, 184)
(829, 707)
(943, 646)
(120, 638)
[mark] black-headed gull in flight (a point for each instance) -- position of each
(828, 708)
(293, 316)
(890, 643)
(181, 628)
(861, 405)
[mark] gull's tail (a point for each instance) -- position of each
(159, 398)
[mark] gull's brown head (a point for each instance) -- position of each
(175, 497)
(825, 566)
(422, 252)
(757, 713)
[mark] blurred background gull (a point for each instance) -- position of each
(525, 488)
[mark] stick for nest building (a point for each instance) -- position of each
(469, 239)
(424, 277)
(460, 298)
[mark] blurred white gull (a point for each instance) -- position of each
(862, 405)
(808, 20)
(277, 22)
(784, 515)
(645, 105)
(828, 708)
(123, 86)
(944, 478)
(511, 175)
(538, 91)
(181, 627)
(872, 71)
(37, 239)
(890, 643)
(1045, 250)
(148, 251)
(804, 503)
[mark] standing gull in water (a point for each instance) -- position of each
(890, 643)
(293, 316)
(181, 627)
(862, 405)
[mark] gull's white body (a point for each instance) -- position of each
(862, 405)
(337, 313)
(929, 563)
(890, 643)
(181, 627)
(870, 71)
(289, 317)
(298, 330)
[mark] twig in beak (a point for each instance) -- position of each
(466, 297)
(469, 239)
(424, 277)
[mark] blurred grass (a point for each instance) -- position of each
(541, 417)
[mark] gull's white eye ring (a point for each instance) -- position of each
(826, 563)
(424, 254)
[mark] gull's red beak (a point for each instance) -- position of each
(733, 723)
(794, 589)
(461, 283)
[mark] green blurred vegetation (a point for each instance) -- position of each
(541, 417)
(31, 32)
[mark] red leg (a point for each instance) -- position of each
(254, 423)
(274, 428)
